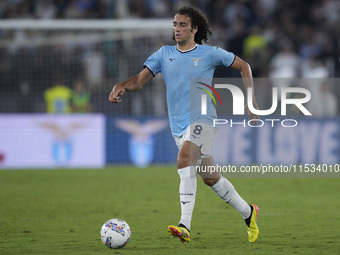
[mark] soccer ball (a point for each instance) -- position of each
(115, 233)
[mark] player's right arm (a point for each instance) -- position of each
(134, 83)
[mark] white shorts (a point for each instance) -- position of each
(201, 134)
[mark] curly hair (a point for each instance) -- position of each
(199, 20)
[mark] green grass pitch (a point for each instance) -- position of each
(61, 212)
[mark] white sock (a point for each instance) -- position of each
(187, 194)
(225, 190)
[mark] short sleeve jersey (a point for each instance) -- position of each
(182, 72)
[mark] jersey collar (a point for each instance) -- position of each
(186, 51)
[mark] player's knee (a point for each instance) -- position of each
(210, 181)
(183, 161)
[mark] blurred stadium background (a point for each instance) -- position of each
(65, 56)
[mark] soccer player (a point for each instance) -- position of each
(193, 132)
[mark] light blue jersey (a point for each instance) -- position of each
(182, 73)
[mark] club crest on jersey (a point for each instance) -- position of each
(196, 61)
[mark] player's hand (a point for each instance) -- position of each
(116, 93)
(252, 116)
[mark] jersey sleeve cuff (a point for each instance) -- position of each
(145, 66)
(233, 61)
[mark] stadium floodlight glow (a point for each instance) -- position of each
(90, 24)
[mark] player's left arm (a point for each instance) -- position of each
(245, 71)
